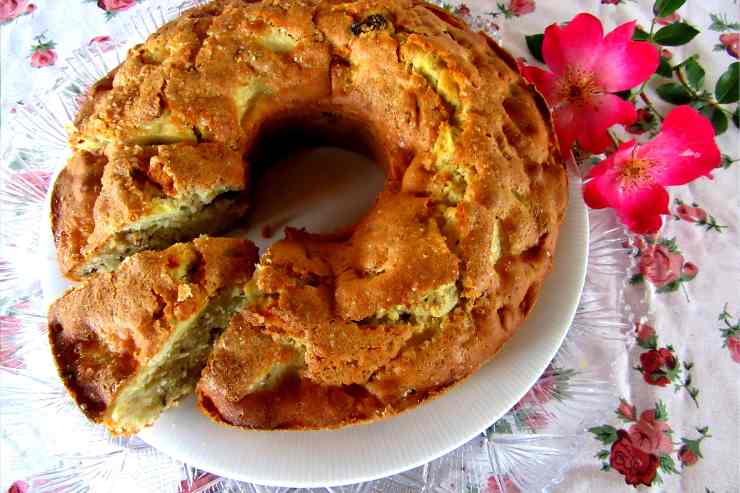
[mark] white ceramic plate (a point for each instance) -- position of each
(325, 189)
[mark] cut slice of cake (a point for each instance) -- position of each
(130, 343)
(133, 198)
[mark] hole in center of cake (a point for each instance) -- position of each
(316, 170)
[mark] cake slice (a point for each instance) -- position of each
(108, 206)
(130, 343)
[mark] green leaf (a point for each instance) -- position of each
(721, 23)
(605, 434)
(602, 454)
(727, 89)
(534, 43)
(676, 34)
(667, 464)
(664, 8)
(675, 93)
(500, 426)
(637, 279)
(640, 34)
(669, 288)
(626, 95)
(736, 117)
(694, 73)
(716, 116)
(664, 68)
(661, 413)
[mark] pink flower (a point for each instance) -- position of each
(586, 69)
(536, 421)
(731, 42)
(691, 214)
(116, 5)
(10, 327)
(611, 2)
(660, 266)
(462, 10)
(10, 9)
(202, 483)
(43, 57)
(105, 43)
(541, 392)
(651, 436)
(689, 271)
(18, 487)
(521, 7)
(644, 333)
(627, 410)
(632, 180)
(499, 483)
(687, 456)
(666, 53)
(733, 346)
(670, 19)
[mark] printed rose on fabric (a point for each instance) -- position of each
(662, 264)
(650, 435)
(10, 9)
(42, 52)
(730, 42)
(500, 483)
(694, 214)
(646, 336)
(660, 366)
(731, 334)
(644, 450)
(586, 69)
(690, 452)
(632, 180)
(636, 466)
(10, 328)
(514, 8)
(202, 482)
(611, 2)
(116, 5)
(104, 43)
(18, 487)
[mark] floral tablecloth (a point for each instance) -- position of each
(675, 420)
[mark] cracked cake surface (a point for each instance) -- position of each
(421, 292)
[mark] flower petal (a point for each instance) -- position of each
(601, 188)
(683, 150)
(576, 45)
(640, 208)
(594, 119)
(624, 63)
(544, 82)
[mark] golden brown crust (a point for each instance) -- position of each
(437, 277)
(104, 330)
(101, 199)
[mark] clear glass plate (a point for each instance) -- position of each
(47, 443)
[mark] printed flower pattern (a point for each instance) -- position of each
(10, 9)
(730, 334)
(645, 449)
(514, 8)
(42, 52)
(692, 213)
(660, 366)
(662, 264)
